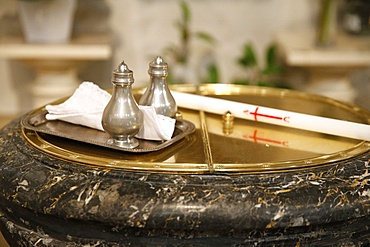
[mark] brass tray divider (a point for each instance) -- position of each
(206, 142)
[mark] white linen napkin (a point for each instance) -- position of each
(155, 127)
(86, 105)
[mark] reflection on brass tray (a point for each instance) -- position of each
(36, 121)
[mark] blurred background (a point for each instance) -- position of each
(317, 46)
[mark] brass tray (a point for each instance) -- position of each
(36, 121)
(247, 147)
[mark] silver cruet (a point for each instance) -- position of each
(157, 93)
(122, 118)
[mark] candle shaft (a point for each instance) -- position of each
(274, 116)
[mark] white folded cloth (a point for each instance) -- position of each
(155, 127)
(86, 105)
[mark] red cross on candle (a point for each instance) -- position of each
(255, 114)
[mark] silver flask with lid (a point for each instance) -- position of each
(157, 93)
(122, 118)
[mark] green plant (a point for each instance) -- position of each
(326, 20)
(180, 53)
(268, 75)
(213, 75)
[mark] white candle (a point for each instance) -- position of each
(274, 116)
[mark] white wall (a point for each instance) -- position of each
(142, 29)
(8, 100)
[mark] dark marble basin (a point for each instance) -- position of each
(48, 199)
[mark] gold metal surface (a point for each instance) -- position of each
(228, 123)
(251, 147)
